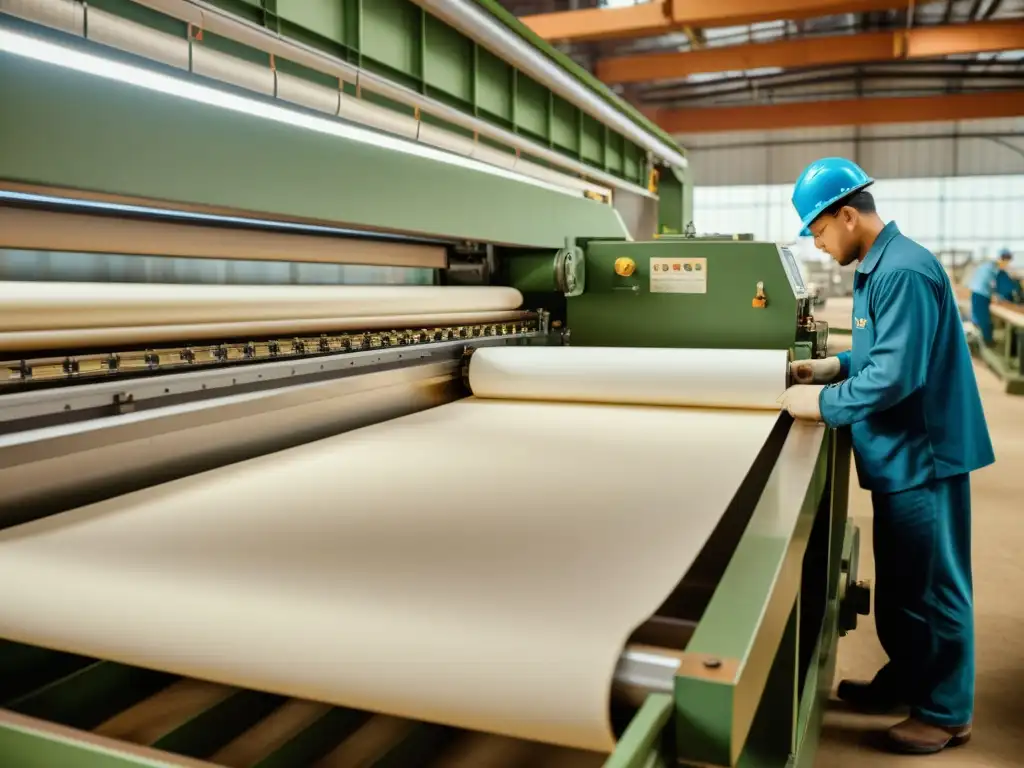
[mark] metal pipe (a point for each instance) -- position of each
(474, 22)
(53, 468)
(213, 19)
(643, 670)
(992, 8)
(728, 147)
(69, 15)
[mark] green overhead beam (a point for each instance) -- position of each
(398, 40)
(79, 131)
(581, 74)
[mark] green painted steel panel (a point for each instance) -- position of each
(615, 156)
(239, 51)
(391, 35)
(297, 70)
(494, 87)
(445, 64)
(327, 17)
(733, 620)
(592, 146)
(771, 738)
(671, 209)
(39, 749)
(635, 164)
(220, 158)
(531, 106)
(817, 691)
(686, 179)
(585, 77)
(643, 737)
(729, 624)
(622, 311)
(252, 10)
(532, 272)
(397, 39)
(565, 121)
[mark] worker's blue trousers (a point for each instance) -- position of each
(981, 315)
(924, 609)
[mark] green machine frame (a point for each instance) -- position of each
(754, 676)
(754, 673)
(713, 292)
(201, 160)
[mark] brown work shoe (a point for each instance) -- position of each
(914, 737)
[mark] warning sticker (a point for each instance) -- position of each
(679, 275)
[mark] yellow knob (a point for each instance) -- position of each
(625, 266)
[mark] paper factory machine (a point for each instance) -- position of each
(363, 404)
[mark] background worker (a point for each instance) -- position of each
(908, 391)
(984, 282)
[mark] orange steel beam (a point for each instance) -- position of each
(726, 13)
(660, 16)
(645, 20)
(839, 112)
(922, 42)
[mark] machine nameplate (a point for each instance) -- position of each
(679, 275)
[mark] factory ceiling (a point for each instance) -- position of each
(694, 65)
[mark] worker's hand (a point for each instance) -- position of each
(815, 371)
(801, 401)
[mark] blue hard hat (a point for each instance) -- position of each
(1005, 254)
(823, 183)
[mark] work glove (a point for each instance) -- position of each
(815, 371)
(801, 401)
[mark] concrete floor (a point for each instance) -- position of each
(998, 507)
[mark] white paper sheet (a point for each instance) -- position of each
(722, 378)
(480, 564)
(34, 306)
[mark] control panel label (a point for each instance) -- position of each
(679, 275)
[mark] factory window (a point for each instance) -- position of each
(976, 214)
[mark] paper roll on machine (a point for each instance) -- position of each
(230, 228)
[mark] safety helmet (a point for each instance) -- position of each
(1005, 254)
(823, 183)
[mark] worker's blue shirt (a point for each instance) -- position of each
(909, 393)
(983, 281)
(1008, 287)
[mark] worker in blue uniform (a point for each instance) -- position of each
(908, 392)
(991, 277)
(1009, 288)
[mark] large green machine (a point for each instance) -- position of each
(758, 653)
(386, 142)
(684, 292)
